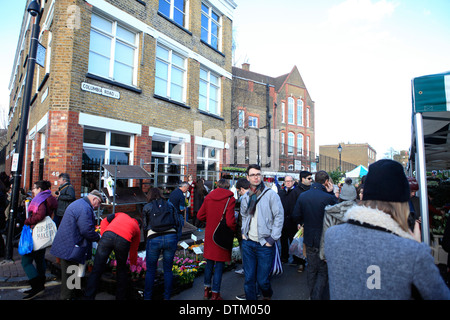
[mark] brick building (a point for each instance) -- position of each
(280, 112)
(132, 81)
(352, 155)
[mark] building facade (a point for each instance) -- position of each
(352, 155)
(280, 113)
(127, 82)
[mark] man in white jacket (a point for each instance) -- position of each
(262, 222)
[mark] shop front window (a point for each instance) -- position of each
(102, 147)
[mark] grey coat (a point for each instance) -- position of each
(371, 257)
(270, 217)
(334, 215)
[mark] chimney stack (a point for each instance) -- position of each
(246, 66)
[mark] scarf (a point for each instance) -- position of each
(36, 202)
(253, 197)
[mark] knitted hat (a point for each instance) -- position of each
(386, 181)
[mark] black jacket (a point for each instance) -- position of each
(288, 199)
(66, 196)
(309, 211)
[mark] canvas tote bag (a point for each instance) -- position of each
(44, 233)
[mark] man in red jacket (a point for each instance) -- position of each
(120, 232)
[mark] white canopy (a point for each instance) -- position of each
(358, 172)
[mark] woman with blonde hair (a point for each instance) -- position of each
(375, 255)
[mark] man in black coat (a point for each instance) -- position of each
(309, 212)
(288, 196)
(65, 194)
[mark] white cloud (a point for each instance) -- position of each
(360, 11)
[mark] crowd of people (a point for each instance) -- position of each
(358, 243)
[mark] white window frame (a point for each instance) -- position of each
(167, 155)
(210, 85)
(283, 137)
(291, 119)
(210, 22)
(114, 40)
(307, 145)
(107, 148)
(171, 3)
(291, 138)
(299, 112)
(252, 122)
(169, 73)
(300, 143)
(307, 118)
(206, 156)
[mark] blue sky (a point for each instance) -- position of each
(357, 58)
(10, 21)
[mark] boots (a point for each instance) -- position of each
(37, 288)
(207, 294)
(216, 296)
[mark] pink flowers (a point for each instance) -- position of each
(179, 261)
(139, 269)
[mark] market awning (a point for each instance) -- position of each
(431, 98)
(430, 142)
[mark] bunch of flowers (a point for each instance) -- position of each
(138, 270)
(186, 268)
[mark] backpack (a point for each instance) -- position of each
(161, 217)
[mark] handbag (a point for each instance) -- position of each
(26, 241)
(44, 233)
(223, 236)
(277, 267)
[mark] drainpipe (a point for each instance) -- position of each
(268, 117)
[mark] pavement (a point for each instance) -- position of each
(290, 285)
(12, 273)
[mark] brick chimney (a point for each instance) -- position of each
(246, 66)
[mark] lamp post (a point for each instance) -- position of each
(34, 9)
(340, 151)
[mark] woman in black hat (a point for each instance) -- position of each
(374, 255)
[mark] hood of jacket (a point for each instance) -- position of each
(220, 194)
(375, 218)
(338, 210)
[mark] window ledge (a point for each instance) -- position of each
(175, 23)
(112, 82)
(210, 46)
(171, 101)
(211, 115)
(43, 81)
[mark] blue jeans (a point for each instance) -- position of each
(167, 244)
(109, 242)
(218, 270)
(316, 275)
(257, 261)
